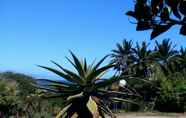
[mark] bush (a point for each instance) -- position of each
(9, 101)
(171, 98)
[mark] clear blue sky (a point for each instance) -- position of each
(36, 31)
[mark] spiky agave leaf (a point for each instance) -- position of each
(116, 93)
(41, 81)
(71, 78)
(111, 80)
(96, 73)
(103, 107)
(78, 65)
(63, 111)
(115, 99)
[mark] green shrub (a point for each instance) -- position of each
(171, 98)
(9, 101)
(42, 115)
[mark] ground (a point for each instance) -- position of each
(151, 115)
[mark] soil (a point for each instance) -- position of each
(150, 115)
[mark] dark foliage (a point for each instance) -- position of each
(159, 15)
(155, 71)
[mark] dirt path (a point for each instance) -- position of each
(149, 115)
(131, 116)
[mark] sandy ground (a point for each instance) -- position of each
(150, 115)
(131, 116)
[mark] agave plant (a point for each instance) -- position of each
(83, 91)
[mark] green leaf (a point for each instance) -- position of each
(63, 96)
(100, 62)
(47, 89)
(139, 79)
(95, 73)
(103, 107)
(176, 13)
(164, 14)
(117, 93)
(74, 75)
(76, 96)
(85, 65)
(159, 29)
(70, 102)
(123, 100)
(78, 65)
(61, 92)
(143, 26)
(52, 81)
(57, 64)
(63, 111)
(71, 62)
(108, 82)
(131, 13)
(155, 4)
(65, 76)
(62, 87)
(182, 7)
(41, 81)
(173, 4)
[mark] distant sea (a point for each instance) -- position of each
(50, 77)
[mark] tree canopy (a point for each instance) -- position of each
(159, 15)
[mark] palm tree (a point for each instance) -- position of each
(182, 55)
(82, 88)
(166, 56)
(142, 60)
(122, 55)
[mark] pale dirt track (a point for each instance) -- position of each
(130, 116)
(150, 116)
